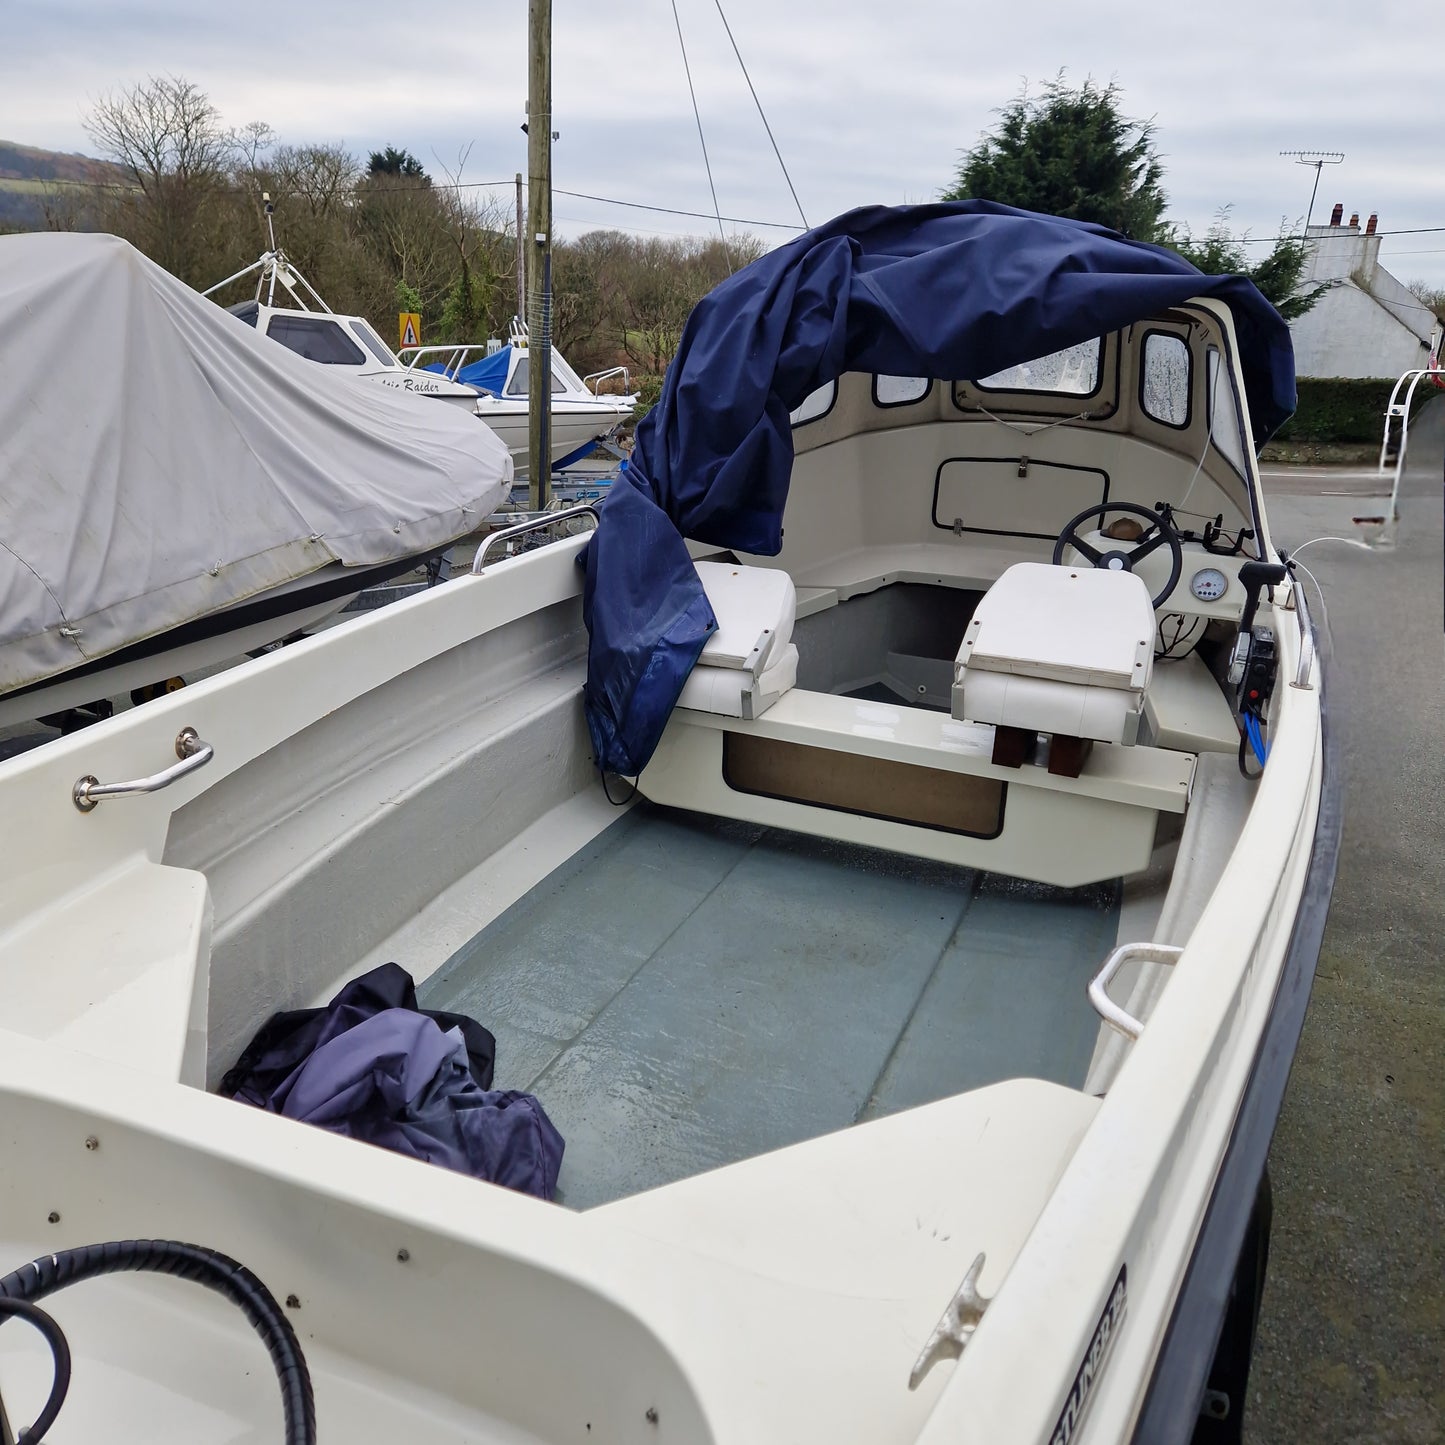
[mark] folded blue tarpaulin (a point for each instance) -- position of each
(956, 291)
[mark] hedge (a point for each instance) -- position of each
(1342, 409)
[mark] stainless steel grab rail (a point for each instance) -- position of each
(547, 519)
(1304, 673)
(1104, 1006)
(192, 752)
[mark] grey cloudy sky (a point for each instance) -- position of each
(869, 101)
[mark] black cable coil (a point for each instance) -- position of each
(42, 1277)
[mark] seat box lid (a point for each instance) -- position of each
(754, 607)
(1071, 624)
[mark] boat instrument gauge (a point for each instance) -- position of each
(1209, 584)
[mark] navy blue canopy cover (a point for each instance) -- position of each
(955, 290)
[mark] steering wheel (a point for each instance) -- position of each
(1159, 531)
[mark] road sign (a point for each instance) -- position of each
(410, 326)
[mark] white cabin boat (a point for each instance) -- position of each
(916, 1026)
(495, 388)
(581, 412)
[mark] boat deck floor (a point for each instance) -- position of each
(686, 992)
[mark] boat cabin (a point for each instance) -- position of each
(978, 578)
(348, 342)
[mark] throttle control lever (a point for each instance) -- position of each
(1254, 577)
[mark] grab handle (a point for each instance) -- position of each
(536, 524)
(192, 752)
(1104, 1006)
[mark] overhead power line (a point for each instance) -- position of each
(699, 215)
(476, 186)
(1270, 240)
(673, 211)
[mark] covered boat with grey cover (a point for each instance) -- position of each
(200, 502)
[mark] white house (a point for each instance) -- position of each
(1367, 323)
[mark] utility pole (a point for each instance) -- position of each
(539, 244)
(521, 254)
(1319, 160)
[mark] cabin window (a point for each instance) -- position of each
(816, 404)
(899, 390)
(373, 343)
(1224, 428)
(317, 338)
(517, 385)
(1164, 378)
(1074, 371)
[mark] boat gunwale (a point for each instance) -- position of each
(1192, 1335)
(1134, 1170)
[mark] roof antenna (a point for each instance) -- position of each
(274, 259)
(1319, 160)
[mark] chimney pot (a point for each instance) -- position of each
(1371, 224)
(1355, 220)
(1337, 213)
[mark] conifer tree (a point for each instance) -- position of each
(1070, 152)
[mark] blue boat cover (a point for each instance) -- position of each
(953, 290)
(488, 374)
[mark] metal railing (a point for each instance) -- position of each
(192, 752)
(1116, 1017)
(1396, 410)
(594, 379)
(1304, 673)
(408, 356)
(538, 523)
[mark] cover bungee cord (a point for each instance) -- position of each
(20, 1290)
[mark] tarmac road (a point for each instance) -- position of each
(1352, 1335)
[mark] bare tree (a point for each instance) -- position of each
(168, 137)
(1432, 297)
(469, 298)
(322, 177)
(661, 284)
(64, 207)
(588, 283)
(399, 217)
(248, 142)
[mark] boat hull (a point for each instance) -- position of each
(262, 856)
(572, 425)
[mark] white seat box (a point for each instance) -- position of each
(1067, 650)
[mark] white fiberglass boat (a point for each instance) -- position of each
(491, 386)
(212, 497)
(916, 1024)
(582, 413)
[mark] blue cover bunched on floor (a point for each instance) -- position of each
(955, 290)
(374, 1067)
